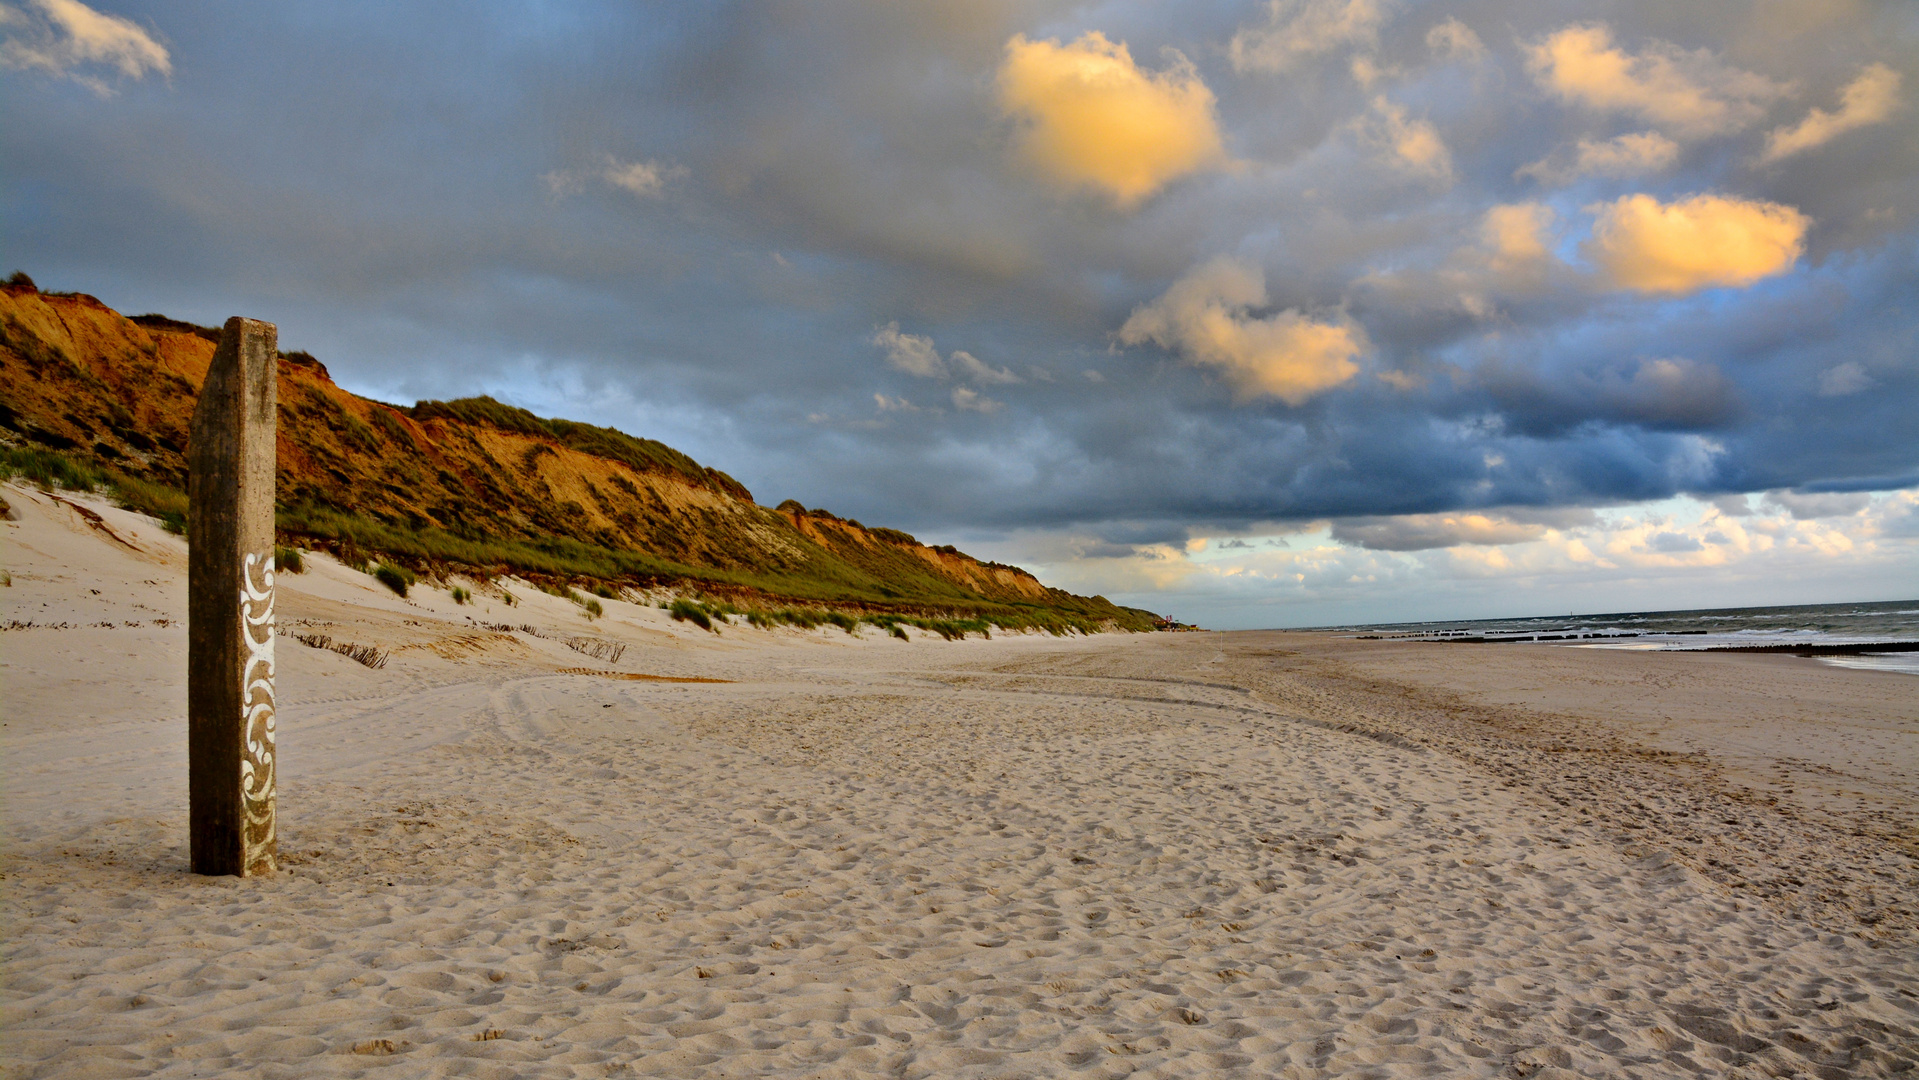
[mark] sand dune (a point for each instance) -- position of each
(1155, 855)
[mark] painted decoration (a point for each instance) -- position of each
(256, 697)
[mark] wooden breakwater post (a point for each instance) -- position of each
(230, 476)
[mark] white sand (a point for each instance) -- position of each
(1150, 855)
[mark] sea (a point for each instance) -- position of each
(1889, 622)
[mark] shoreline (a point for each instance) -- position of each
(1600, 641)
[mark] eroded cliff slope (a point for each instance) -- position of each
(474, 483)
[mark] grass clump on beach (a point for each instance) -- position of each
(288, 560)
(692, 611)
(395, 577)
(587, 603)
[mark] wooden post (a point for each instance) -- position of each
(230, 473)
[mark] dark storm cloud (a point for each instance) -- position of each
(1423, 532)
(690, 222)
(1658, 394)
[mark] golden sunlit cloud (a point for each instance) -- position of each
(1627, 155)
(1204, 316)
(1691, 93)
(1412, 145)
(1697, 243)
(1516, 234)
(1096, 119)
(1296, 29)
(1868, 99)
(57, 36)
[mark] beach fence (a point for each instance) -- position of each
(230, 476)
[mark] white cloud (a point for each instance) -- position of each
(1297, 29)
(643, 179)
(562, 182)
(1626, 155)
(1205, 317)
(1454, 40)
(911, 353)
(1688, 93)
(916, 354)
(1868, 99)
(979, 371)
(894, 404)
(1841, 380)
(63, 37)
(966, 399)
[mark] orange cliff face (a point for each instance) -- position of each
(80, 376)
(77, 376)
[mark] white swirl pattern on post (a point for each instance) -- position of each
(256, 701)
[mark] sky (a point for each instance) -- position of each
(1253, 314)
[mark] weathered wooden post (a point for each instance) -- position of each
(230, 466)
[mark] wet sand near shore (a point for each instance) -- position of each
(1154, 855)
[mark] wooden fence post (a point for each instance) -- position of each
(230, 476)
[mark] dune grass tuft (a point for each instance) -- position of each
(692, 611)
(395, 577)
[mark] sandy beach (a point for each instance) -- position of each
(1246, 854)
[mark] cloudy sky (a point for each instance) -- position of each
(1255, 314)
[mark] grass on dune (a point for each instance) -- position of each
(842, 593)
(705, 613)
